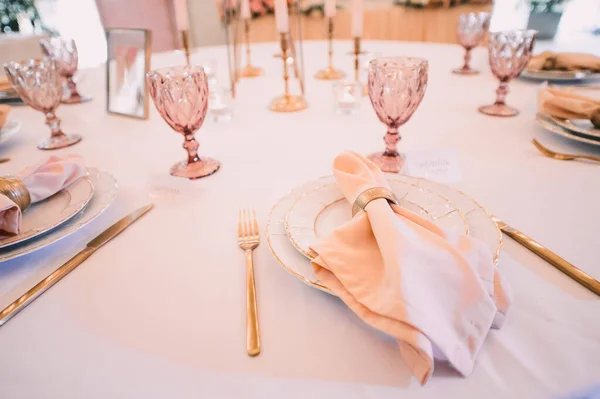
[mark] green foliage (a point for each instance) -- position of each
(11, 9)
(545, 5)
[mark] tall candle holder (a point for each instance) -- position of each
(357, 53)
(288, 102)
(249, 71)
(330, 73)
(185, 40)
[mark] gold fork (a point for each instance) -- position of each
(248, 240)
(562, 157)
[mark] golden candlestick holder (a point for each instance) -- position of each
(357, 53)
(288, 102)
(249, 71)
(330, 73)
(185, 40)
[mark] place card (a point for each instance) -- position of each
(437, 165)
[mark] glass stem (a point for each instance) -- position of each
(191, 146)
(54, 124)
(391, 142)
(466, 67)
(502, 91)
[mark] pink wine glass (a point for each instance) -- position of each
(509, 53)
(472, 28)
(39, 85)
(64, 52)
(180, 95)
(396, 87)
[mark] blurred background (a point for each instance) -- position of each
(565, 25)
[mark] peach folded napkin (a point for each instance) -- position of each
(438, 293)
(567, 104)
(549, 61)
(42, 180)
(4, 110)
(5, 84)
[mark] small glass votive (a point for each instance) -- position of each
(219, 105)
(347, 97)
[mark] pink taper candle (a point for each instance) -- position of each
(330, 8)
(245, 9)
(181, 15)
(281, 16)
(357, 18)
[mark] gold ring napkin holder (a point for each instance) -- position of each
(16, 191)
(372, 194)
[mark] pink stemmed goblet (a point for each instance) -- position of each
(39, 85)
(180, 95)
(472, 28)
(396, 87)
(64, 52)
(509, 53)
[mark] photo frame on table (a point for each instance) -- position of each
(127, 63)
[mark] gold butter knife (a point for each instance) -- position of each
(71, 264)
(567, 268)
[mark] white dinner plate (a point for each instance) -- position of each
(321, 210)
(50, 213)
(559, 76)
(105, 191)
(548, 124)
(9, 129)
(480, 225)
(580, 126)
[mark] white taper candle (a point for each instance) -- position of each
(281, 16)
(357, 18)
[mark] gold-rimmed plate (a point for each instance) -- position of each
(559, 76)
(550, 125)
(105, 191)
(579, 126)
(50, 213)
(480, 225)
(318, 212)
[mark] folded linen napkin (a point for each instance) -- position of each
(567, 104)
(42, 180)
(4, 110)
(549, 61)
(5, 84)
(436, 292)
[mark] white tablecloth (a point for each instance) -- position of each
(160, 311)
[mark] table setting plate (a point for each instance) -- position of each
(10, 128)
(549, 124)
(478, 221)
(559, 76)
(580, 126)
(319, 211)
(50, 213)
(104, 192)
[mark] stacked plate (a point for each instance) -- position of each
(48, 221)
(310, 212)
(560, 76)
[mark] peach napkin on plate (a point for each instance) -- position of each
(549, 61)
(568, 104)
(42, 180)
(437, 292)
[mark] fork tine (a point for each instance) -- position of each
(247, 227)
(254, 223)
(240, 221)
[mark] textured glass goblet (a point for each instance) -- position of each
(180, 95)
(509, 53)
(38, 83)
(472, 28)
(64, 52)
(396, 87)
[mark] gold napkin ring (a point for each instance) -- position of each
(371, 194)
(16, 191)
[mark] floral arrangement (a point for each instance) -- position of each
(258, 8)
(545, 5)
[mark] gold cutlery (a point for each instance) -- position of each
(248, 240)
(567, 268)
(563, 157)
(4, 160)
(71, 264)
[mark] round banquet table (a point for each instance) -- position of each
(160, 311)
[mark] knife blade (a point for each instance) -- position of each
(561, 264)
(71, 264)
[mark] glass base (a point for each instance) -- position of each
(387, 163)
(54, 143)
(288, 103)
(329, 73)
(205, 167)
(251, 72)
(499, 110)
(465, 71)
(76, 100)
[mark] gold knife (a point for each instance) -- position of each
(567, 268)
(71, 264)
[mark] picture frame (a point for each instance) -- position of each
(127, 63)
